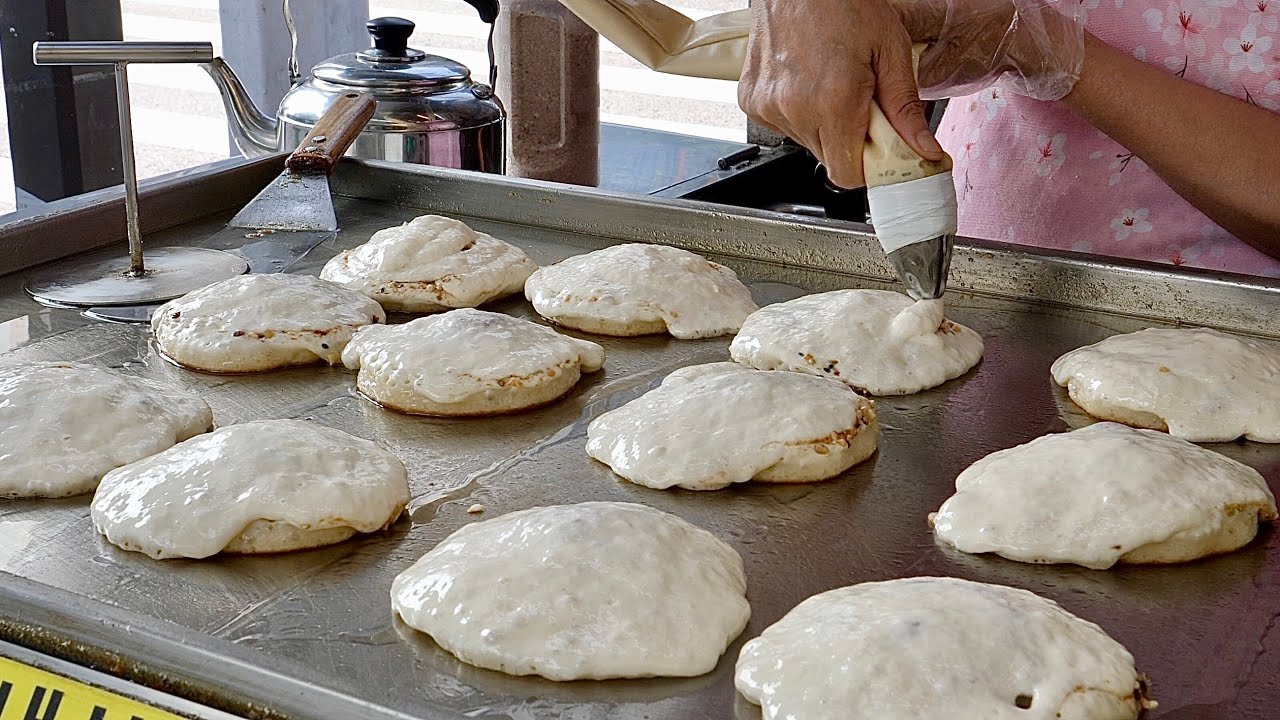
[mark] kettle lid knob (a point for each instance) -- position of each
(390, 40)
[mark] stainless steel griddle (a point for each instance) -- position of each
(311, 634)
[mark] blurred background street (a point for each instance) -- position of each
(179, 121)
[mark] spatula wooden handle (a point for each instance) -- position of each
(333, 133)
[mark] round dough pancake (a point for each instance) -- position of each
(876, 341)
(1200, 385)
(258, 487)
(638, 289)
(467, 362)
(1102, 495)
(431, 263)
(709, 426)
(254, 323)
(63, 425)
(590, 591)
(930, 647)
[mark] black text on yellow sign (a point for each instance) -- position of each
(30, 694)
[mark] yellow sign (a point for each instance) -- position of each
(30, 694)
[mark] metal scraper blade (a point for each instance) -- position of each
(267, 250)
(293, 201)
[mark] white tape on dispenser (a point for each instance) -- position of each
(914, 211)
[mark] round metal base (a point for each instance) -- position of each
(121, 313)
(171, 272)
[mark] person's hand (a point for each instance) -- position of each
(1033, 47)
(812, 69)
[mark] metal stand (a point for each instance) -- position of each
(172, 271)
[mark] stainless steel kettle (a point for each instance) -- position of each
(429, 110)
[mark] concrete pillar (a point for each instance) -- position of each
(64, 137)
(255, 41)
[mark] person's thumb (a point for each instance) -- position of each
(899, 100)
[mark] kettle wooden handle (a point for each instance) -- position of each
(333, 133)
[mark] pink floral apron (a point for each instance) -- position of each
(1035, 173)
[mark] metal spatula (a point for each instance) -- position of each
(294, 213)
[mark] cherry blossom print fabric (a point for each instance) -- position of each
(1035, 173)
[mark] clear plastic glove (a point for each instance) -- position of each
(812, 69)
(1032, 47)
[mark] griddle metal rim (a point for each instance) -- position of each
(165, 656)
(219, 673)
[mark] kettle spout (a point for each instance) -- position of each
(254, 132)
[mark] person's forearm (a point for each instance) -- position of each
(1219, 153)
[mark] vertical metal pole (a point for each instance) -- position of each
(136, 267)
